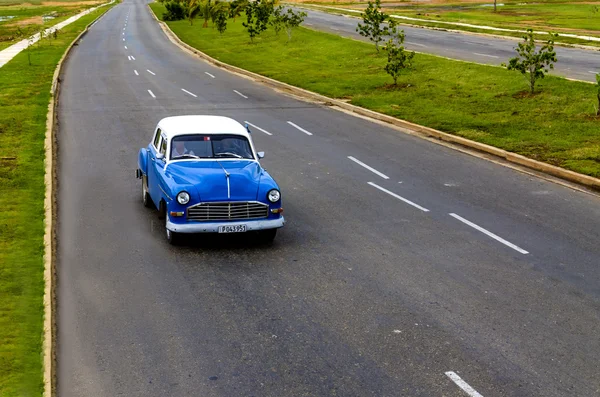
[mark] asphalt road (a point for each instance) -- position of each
(370, 289)
(573, 63)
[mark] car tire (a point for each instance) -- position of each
(146, 199)
(173, 238)
(267, 236)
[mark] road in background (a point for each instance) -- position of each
(406, 268)
(572, 62)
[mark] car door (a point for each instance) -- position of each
(153, 168)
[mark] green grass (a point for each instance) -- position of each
(484, 103)
(10, 32)
(23, 107)
(556, 17)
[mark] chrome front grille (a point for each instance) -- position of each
(227, 211)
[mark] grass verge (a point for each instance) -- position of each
(24, 102)
(483, 103)
(19, 21)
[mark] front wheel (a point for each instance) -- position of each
(267, 236)
(145, 195)
(173, 238)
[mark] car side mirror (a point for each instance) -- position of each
(261, 155)
(248, 128)
(160, 156)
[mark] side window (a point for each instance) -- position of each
(157, 138)
(163, 147)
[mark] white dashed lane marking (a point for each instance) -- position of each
(258, 128)
(490, 234)
(187, 92)
(209, 75)
(407, 201)
(151, 72)
(136, 72)
(240, 94)
(373, 170)
(151, 94)
(299, 128)
(462, 384)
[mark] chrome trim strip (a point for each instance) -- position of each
(169, 197)
(227, 202)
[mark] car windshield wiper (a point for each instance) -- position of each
(183, 156)
(229, 154)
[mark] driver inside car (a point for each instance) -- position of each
(179, 149)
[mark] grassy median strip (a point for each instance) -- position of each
(483, 103)
(24, 99)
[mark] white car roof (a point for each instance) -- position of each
(185, 125)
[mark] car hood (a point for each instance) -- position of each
(210, 181)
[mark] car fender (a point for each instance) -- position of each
(143, 161)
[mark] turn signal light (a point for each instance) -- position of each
(277, 210)
(174, 213)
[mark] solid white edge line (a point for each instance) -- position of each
(152, 94)
(240, 94)
(373, 170)
(490, 234)
(210, 75)
(258, 128)
(399, 197)
(592, 72)
(187, 92)
(151, 72)
(462, 384)
(485, 55)
(299, 128)
(136, 72)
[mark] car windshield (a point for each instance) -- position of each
(210, 146)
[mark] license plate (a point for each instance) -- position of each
(232, 229)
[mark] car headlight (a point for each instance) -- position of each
(273, 195)
(183, 198)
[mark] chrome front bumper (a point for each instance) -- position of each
(213, 227)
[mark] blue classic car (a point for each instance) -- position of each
(202, 174)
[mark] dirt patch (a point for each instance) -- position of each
(71, 3)
(28, 21)
(525, 94)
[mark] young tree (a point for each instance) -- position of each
(292, 20)
(219, 7)
(257, 17)
(221, 20)
(206, 11)
(236, 7)
(528, 60)
(398, 58)
(373, 21)
(193, 10)
(277, 20)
